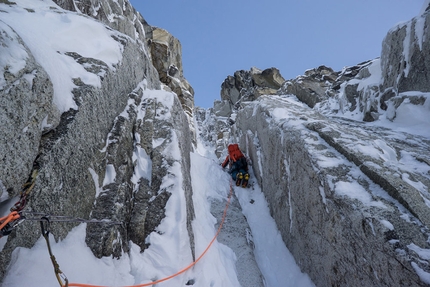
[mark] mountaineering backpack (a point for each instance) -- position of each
(237, 159)
(234, 152)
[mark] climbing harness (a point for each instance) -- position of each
(45, 225)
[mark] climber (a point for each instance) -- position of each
(238, 165)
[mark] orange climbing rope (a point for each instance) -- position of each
(186, 268)
(14, 216)
(8, 218)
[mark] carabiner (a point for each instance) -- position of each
(45, 231)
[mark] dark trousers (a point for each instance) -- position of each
(236, 171)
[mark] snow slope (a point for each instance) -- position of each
(49, 32)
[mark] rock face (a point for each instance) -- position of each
(320, 87)
(391, 80)
(165, 50)
(166, 53)
(310, 162)
(247, 86)
(312, 86)
(139, 200)
(349, 219)
(108, 158)
(404, 60)
(22, 120)
(335, 238)
(242, 87)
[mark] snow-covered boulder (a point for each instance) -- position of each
(222, 108)
(249, 85)
(311, 88)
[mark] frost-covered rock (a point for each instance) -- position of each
(372, 89)
(249, 85)
(311, 88)
(87, 111)
(333, 179)
(213, 130)
(405, 59)
(26, 109)
(166, 53)
(119, 15)
(335, 185)
(354, 91)
(140, 158)
(164, 50)
(222, 108)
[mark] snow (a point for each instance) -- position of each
(406, 48)
(95, 177)
(419, 31)
(424, 276)
(387, 224)
(54, 35)
(355, 191)
(425, 255)
(110, 175)
(76, 261)
(422, 253)
(271, 254)
(143, 163)
(375, 75)
(169, 249)
(13, 53)
(410, 118)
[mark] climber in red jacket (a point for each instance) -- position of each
(238, 165)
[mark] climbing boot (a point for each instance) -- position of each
(239, 178)
(245, 180)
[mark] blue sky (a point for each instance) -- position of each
(219, 37)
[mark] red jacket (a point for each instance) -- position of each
(234, 155)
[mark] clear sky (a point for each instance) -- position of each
(219, 37)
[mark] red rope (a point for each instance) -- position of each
(186, 268)
(8, 218)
